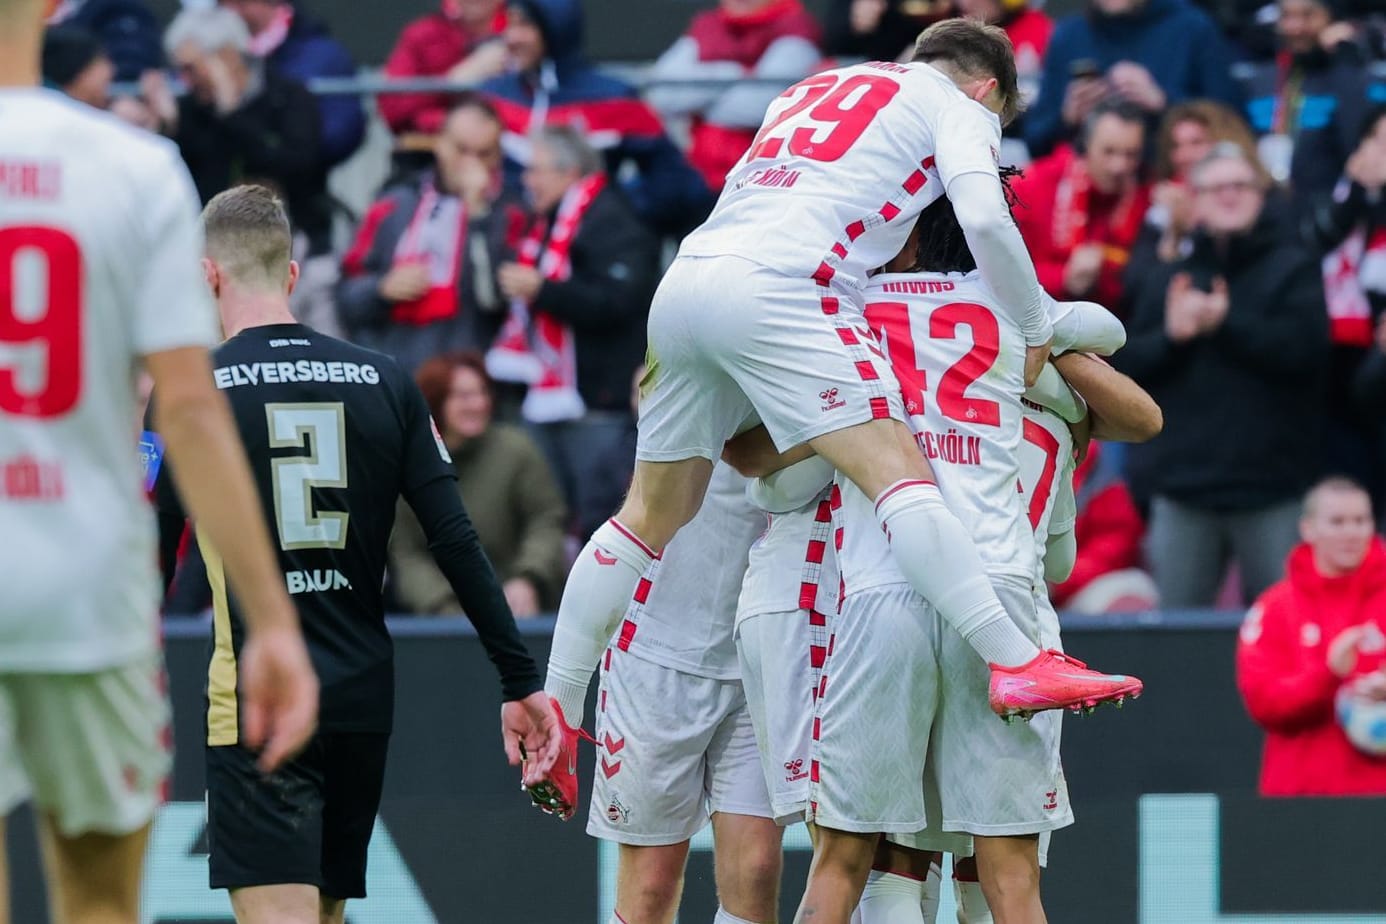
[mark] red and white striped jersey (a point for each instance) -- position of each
(683, 612)
(960, 362)
(843, 163)
(100, 254)
(793, 566)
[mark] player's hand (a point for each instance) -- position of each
(404, 282)
(1035, 358)
(1342, 651)
(1082, 438)
(522, 282)
(522, 597)
(279, 693)
(531, 724)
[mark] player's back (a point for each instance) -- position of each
(959, 359)
(334, 433)
(843, 162)
(99, 251)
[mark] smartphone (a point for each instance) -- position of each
(1084, 69)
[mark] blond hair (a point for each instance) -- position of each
(248, 235)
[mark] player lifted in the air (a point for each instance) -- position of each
(99, 250)
(336, 434)
(761, 314)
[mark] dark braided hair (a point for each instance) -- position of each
(942, 246)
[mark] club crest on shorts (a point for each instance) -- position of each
(830, 400)
(794, 770)
(616, 812)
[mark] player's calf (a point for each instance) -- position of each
(1009, 870)
(894, 892)
(967, 890)
(841, 864)
(747, 861)
(93, 878)
(649, 883)
(278, 904)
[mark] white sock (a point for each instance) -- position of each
(972, 904)
(939, 559)
(596, 596)
(930, 895)
(890, 899)
(726, 917)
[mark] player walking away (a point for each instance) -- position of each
(675, 745)
(761, 312)
(98, 275)
(335, 434)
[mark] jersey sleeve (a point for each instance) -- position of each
(172, 305)
(426, 456)
(968, 140)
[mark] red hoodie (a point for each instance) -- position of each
(1283, 675)
(428, 47)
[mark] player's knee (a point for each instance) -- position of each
(651, 898)
(845, 852)
(1011, 882)
(748, 886)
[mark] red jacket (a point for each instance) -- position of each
(1058, 211)
(428, 47)
(1284, 678)
(1108, 530)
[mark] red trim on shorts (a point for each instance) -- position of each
(848, 336)
(813, 770)
(829, 304)
(822, 686)
(840, 250)
(880, 408)
(607, 666)
(818, 656)
(867, 371)
(627, 635)
(602, 707)
(642, 590)
(898, 486)
(817, 728)
(633, 538)
(889, 211)
(817, 619)
(856, 229)
(915, 182)
(824, 274)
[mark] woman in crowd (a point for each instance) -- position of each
(509, 490)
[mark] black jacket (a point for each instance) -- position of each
(1242, 404)
(272, 138)
(614, 260)
(127, 30)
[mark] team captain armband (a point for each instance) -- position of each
(151, 457)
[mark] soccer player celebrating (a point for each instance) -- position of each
(99, 275)
(761, 312)
(336, 434)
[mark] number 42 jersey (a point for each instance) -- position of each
(335, 433)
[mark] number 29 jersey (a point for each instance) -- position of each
(843, 163)
(335, 433)
(960, 361)
(99, 266)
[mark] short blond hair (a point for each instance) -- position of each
(248, 235)
(1333, 484)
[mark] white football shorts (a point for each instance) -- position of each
(672, 750)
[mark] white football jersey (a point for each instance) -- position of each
(683, 612)
(793, 566)
(1046, 477)
(99, 265)
(960, 362)
(843, 163)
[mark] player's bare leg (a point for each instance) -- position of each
(93, 878)
(331, 910)
(1009, 870)
(276, 904)
(841, 863)
(937, 556)
(894, 890)
(649, 883)
(967, 888)
(747, 861)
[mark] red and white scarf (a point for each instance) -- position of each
(265, 42)
(1351, 270)
(1072, 204)
(536, 348)
(434, 238)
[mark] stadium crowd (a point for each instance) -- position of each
(1212, 172)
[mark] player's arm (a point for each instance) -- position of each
(1121, 409)
(1061, 545)
(1085, 326)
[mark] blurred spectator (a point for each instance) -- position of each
(766, 39)
(1307, 105)
(1370, 394)
(298, 46)
(509, 492)
(1080, 209)
(1107, 575)
(75, 63)
(579, 294)
(880, 30)
(611, 476)
(420, 277)
(1349, 228)
(1151, 53)
(1029, 30)
(552, 83)
(240, 121)
(1187, 133)
(460, 42)
(1232, 342)
(1313, 633)
(126, 29)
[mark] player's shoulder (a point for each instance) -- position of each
(115, 142)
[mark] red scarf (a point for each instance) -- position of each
(435, 237)
(1353, 269)
(534, 347)
(1072, 215)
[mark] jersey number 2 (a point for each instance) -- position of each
(847, 105)
(890, 321)
(40, 321)
(320, 431)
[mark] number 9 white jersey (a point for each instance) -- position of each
(99, 265)
(843, 163)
